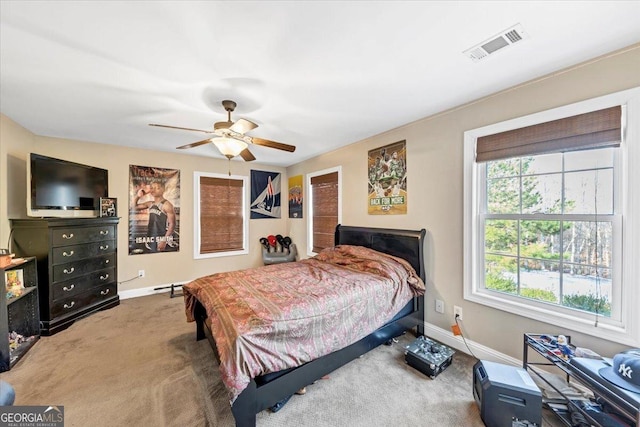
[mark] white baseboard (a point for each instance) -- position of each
(141, 292)
(479, 351)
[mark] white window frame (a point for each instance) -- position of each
(626, 329)
(309, 199)
(196, 215)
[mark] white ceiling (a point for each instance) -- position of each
(315, 74)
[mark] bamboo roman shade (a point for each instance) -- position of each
(221, 220)
(324, 190)
(597, 129)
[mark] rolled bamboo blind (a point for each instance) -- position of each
(325, 210)
(221, 219)
(597, 129)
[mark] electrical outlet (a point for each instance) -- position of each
(439, 306)
(140, 273)
(457, 312)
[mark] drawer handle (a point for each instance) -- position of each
(104, 247)
(69, 305)
(65, 271)
(105, 277)
(104, 232)
(70, 253)
(65, 236)
(106, 261)
(69, 288)
(105, 292)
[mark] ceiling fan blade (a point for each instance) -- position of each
(242, 126)
(195, 144)
(176, 127)
(246, 155)
(273, 144)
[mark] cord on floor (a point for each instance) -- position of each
(463, 338)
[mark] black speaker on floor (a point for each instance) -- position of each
(506, 395)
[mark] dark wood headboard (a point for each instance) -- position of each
(406, 244)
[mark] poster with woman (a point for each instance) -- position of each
(154, 210)
(387, 183)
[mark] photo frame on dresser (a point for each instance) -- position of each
(108, 207)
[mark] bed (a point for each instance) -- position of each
(254, 391)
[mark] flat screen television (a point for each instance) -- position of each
(60, 188)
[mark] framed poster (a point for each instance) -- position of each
(108, 206)
(265, 194)
(154, 210)
(295, 196)
(387, 183)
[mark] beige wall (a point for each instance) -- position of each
(161, 268)
(15, 144)
(435, 189)
(435, 199)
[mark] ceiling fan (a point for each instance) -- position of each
(229, 137)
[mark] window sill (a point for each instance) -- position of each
(605, 330)
(220, 254)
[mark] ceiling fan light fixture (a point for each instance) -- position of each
(230, 138)
(229, 147)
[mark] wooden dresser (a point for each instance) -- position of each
(77, 266)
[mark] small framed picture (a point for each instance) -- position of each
(108, 206)
(14, 283)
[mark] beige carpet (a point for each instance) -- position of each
(139, 364)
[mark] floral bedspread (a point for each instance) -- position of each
(281, 316)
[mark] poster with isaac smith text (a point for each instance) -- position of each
(154, 210)
(387, 186)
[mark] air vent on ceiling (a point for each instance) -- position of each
(501, 40)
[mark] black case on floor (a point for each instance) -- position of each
(428, 356)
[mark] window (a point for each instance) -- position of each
(220, 215)
(546, 200)
(549, 224)
(325, 208)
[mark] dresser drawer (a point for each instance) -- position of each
(75, 235)
(81, 284)
(85, 299)
(63, 254)
(70, 270)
